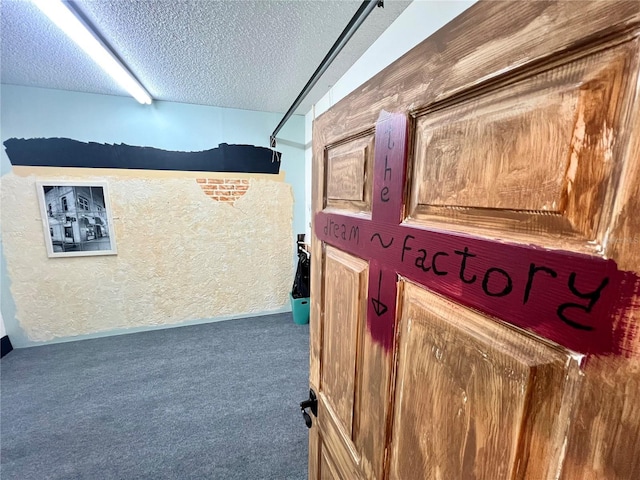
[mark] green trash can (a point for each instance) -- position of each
(300, 309)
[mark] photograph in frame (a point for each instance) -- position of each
(76, 218)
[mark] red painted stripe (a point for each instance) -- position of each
(576, 300)
(381, 306)
(389, 168)
(579, 301)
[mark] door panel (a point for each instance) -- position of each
(336, 442)
(349, 174)
(327, 469)
(523, 138)
(345, 298)
(356, 372)
(545, 145)
(475, 398)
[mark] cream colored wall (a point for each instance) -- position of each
(181, 254)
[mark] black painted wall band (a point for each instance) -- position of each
(64, 152)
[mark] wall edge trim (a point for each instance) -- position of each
(125, 331)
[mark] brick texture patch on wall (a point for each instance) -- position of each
(223, 189)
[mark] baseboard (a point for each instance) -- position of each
(6, 346)
(123, 331)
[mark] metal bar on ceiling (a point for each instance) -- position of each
(358, 18)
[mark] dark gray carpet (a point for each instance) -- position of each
(216, 401)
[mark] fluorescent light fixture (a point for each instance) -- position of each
(67, 21)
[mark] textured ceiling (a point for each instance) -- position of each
(254, 55)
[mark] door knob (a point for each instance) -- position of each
(311, 404)
(307, 419)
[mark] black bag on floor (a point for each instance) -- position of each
(301, 283)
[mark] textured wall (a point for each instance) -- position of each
(181, 256)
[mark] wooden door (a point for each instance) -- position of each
(476, 247)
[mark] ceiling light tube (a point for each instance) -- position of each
(66, 20)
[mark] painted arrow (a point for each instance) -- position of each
(379, 307)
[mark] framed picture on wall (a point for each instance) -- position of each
(76, 218)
